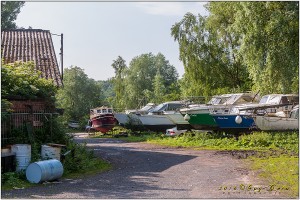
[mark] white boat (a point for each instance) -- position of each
(279, 122)
(158, 120)
(129, 117)
(143, 111)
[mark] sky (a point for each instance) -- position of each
(96, 33)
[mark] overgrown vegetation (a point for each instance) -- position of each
(281, 172)
(77, 161)
(287, 141)
(21, 78)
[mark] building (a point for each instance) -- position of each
(31, 45)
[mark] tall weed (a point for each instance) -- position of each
(286, 141)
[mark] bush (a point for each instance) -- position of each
(23, 79)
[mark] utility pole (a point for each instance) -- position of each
(61, 56)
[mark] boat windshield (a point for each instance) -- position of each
(160, 107)
(218, 100)
(239, 99)
(295, 113)
(146, 108)
(274, 100)
(264, 99)
(104, 110)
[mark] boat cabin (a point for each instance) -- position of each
(167, 108)
(100, 111)
(241, 98)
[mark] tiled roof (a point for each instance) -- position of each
(31, 45)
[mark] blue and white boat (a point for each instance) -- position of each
(240, 117)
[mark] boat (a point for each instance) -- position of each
(157, 119)
(143, 111)
(280, 121)
(199, 115)
(240, 117)
(130, 118)
(102, 119)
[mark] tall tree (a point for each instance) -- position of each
(79, 94)
(140, 78)
(208, 52)
(119, 86)
(270, 44)
(159, 88)
(9, 13)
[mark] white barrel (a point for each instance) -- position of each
(50, 152)
(46, 170)
(23, 155)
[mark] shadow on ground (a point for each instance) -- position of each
(135, 174)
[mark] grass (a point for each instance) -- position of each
(284, 141)
(282, 172)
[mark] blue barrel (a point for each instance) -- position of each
(47, 170)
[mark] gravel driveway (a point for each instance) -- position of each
(148, 171)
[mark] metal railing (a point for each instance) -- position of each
(11, 121)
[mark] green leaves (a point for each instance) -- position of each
(79, 94)
(240, 46)
(149, 78)
(9, 12)
(22, 79)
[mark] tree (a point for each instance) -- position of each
(240, 46)
(270, 44)
(159, 88)
(119, 86)
(141, 75)
(9, 13)
(79, 94)
(209, 53)
(22, 79)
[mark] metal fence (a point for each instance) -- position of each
(32, 121)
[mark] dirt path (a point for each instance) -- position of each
(149, 171)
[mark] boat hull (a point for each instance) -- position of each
(203, 121)
(265, 123)
(179, 121)
(228, 123)
(104, 123)
(157, 123)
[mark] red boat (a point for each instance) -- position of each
(102, 119)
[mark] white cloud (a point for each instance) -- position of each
(172, 8)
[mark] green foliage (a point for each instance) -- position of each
(209, 52)
(282, 171)
(78, 95)
(270, 43)
(82, 160)
(159, 88)
(9, 13)
(284, 141)
(15, 180)
(22, 79)
(119, 86)
(107, 92)
(240, 46)
(146, 77)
